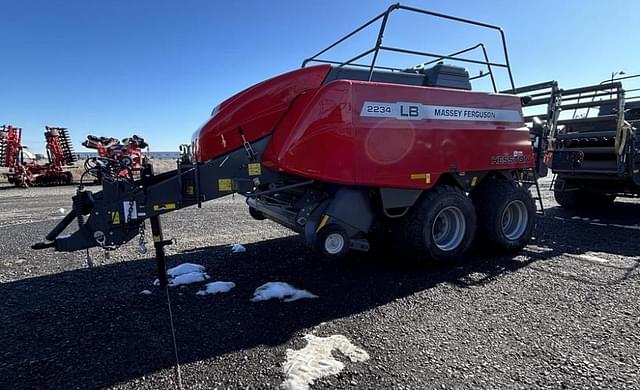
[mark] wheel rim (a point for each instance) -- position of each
(515, 218)
(334, 243)
(449, 228)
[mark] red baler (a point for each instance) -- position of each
(350, 155)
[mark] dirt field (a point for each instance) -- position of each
(563, 313)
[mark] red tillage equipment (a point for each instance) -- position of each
(349, 155)
(23, 173)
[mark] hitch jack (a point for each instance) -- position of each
(159, 243)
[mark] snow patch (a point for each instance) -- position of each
(186, 273)
(280, 290)
(315, 360)
(216, 288)
(238, 248)
(184, 269)
(188, 278)
(145, 292)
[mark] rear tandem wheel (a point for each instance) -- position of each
(506, 214)
(441, 226)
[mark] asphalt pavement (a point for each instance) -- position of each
(563, 313)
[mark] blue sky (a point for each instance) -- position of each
(157, 68)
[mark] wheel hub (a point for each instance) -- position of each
(449, 228)
(334, 243)
(515, 219)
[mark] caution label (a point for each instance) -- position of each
(418, 111)
(115, 217)
(224, 185)
(166, 206)
(254, 169)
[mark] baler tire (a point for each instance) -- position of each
(499, 202)
(416, 236)
(337, 234)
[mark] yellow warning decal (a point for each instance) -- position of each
(156, 239)
(224, 185)
(190, 190)
(421, 176)
(474, 181)
(115, 217)
(166, 206)
(323, 222)
(254, 169)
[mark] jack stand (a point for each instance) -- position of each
(159, 243)
(90, 263)
(156, 232)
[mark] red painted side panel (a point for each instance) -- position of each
(329, 140)
(255, 110)
(392, 150)
(318, 141)
(321, 131)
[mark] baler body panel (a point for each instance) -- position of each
(410, 153)
(325, 137)
(318, 141)
(323, 132)
(253, 112)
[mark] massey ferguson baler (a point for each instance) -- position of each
(350, 155)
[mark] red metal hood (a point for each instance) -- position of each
(255, 111)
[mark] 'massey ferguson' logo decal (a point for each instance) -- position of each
(418, 111)
(501, 160)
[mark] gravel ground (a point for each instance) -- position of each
(561, 314)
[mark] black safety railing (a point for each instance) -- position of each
(541, 99)
(384, 17)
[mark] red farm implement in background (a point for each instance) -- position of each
(351, 155)
(25, 170)
(120, 157)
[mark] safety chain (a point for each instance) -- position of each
(130, 211)
(251, 154)
(142, 245)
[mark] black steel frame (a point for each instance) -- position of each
(633, 76)
(384, 17)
